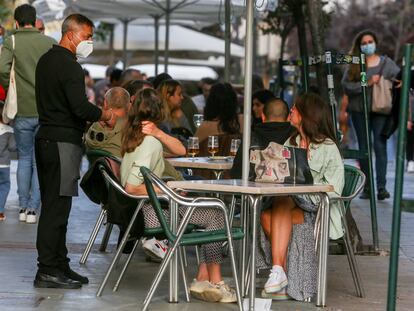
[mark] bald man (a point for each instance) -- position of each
(275, 128)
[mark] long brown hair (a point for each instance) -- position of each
(317, 124)
(166, 89)
(147, 107)
(354, 70)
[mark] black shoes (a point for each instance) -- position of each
(365, 195)
(44, 280)
(69, 273)
(383, 194)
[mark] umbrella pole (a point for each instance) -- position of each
(167, 34)
(124, 44)
(227, 40)
(248, 61)
(156, 42)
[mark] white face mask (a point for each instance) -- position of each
(84, 48)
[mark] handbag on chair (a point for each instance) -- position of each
(281, 164)
(10, 104)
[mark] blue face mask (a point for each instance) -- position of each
(368, 49)
(1, 40)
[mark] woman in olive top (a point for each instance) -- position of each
(139, 150)
(288, 223)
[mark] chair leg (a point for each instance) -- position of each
(353, 265)
(197, 255)
(182, 256)
(233, 264)
(93, 236)
(105, 238)
(185, 257)
(120, 248)
(121, 275)
(158, 277)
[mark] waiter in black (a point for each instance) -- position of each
(63, 112)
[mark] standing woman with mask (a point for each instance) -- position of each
(366, 42)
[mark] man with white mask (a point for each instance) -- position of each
(63, 112)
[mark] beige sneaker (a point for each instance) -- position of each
(228, 294)
(197, 289)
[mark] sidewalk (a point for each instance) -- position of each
(18, 267)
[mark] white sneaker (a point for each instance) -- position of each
(228, 294)
(277, 280)
(155, 249)
(197, 289)
(22, 215)
(31, 217)
(410, 167)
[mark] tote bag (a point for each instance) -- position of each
(382, 94)
(281, 164)
(10, 105)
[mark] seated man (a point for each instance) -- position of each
(109, 139)
(275, 128)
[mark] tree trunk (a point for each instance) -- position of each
(303, 49)
(317, 32)
(403, 14)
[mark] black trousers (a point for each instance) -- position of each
(410, 145)
(55, 209)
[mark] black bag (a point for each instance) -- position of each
(281, 164)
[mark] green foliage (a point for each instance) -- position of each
(5, 10)
(103, 31)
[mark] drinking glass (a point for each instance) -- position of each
(193, 146)
(213, 145)
(235, 144)
(198, 119)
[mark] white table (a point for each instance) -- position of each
(255, 192)
(217, 166)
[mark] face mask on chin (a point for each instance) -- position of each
(368, 49)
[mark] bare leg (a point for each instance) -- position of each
(203, 273)
(284, 215)
(214, 272)
(265, 220)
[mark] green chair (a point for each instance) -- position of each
(148, 232)
(354, 183)
(181, 238)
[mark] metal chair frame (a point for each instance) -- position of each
(357, 186)
(191, 204)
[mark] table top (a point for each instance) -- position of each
(202, 163)
(238, 186)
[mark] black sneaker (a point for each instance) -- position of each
(69, 273)
(383, 194)
(365, 195)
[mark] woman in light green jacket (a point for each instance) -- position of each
(288, 222)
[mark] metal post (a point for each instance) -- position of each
(124, 44)
(156, 42)
(174, 260)
(281, 80)
(167, 34)
(399, 179)
(372, 203)
(227, 40)
(305, 73)
(331, 89)
(247, 88)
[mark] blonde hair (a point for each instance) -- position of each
(166, 89)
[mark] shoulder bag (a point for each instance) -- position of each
(382, 94)
(10, 104)
(281, 164)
